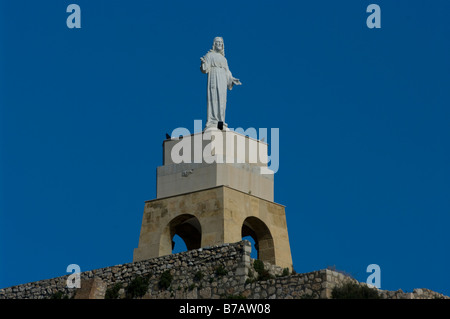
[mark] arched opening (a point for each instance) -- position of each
(178, 244)
(263, 241)
(187, 227)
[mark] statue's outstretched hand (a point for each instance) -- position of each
(236, 81)
(204, 65)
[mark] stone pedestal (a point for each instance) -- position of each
(215, 158)
(221, 192)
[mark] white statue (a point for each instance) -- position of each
(219, 79)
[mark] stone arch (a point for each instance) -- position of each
(186, 226)
(258, 230)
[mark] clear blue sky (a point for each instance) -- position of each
(363, 116)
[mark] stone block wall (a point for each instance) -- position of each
(223, 271)
(221, 268)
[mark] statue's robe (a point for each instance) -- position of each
(219, 80)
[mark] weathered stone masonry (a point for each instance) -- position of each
(232, 259)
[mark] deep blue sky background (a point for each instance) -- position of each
(363, 116)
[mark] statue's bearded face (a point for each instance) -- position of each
(218, 44)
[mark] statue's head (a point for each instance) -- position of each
(218, 45)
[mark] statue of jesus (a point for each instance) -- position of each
(220, 79)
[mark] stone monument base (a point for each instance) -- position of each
(214, 216)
